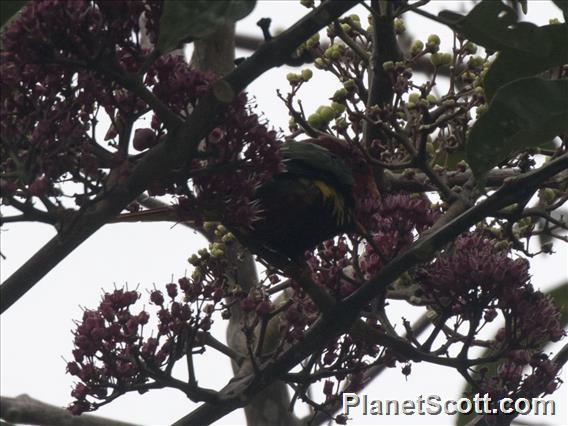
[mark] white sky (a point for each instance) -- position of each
(36, 332)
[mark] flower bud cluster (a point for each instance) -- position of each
(114, 351)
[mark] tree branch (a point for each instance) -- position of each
(25, 409)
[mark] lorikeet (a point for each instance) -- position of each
(315, 198)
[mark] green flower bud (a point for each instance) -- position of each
(228, 238)
(336, 52)
(346, 28)
(203, 252)
(316, 121)
(217, 253)
(313, 40)
(432, 99)
(209, 226)
(548, 195)
(340, 94)
(319, 63)
(414, 97)
(326, 113)
(434, 39)
(481, 109)
(446, 58)
(293, 78)
(399, 27)
(355, 22)
(554, 21)
(436, 59)
(307, 74)
(478, 91)
(328, 54)
(349, 85)
(475, 62)
(416, 47)
(470, 48)
(388, 65)
(193, 259)
(338, 108)
(433, 44)
(216, 246)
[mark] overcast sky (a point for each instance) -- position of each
(36, 332)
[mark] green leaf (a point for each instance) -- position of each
(494, 26)
(523, 4)
(511, 64)
(9, 8)
(560, 296)
(562, 5)
(524, 113)
(450, 160)
(184, 21)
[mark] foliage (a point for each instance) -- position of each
(184, 21)
(428, 240)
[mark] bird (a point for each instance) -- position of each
(315, 197)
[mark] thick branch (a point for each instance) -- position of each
(30, 411)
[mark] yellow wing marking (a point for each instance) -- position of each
(337, 200)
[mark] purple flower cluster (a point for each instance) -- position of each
(63, 64)
(107, 342)
(51, 91)
(328, 263)
(474, 272)
(113, 354)
(475, 277)
(523, 374)
(396, 221)
(537, 318)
